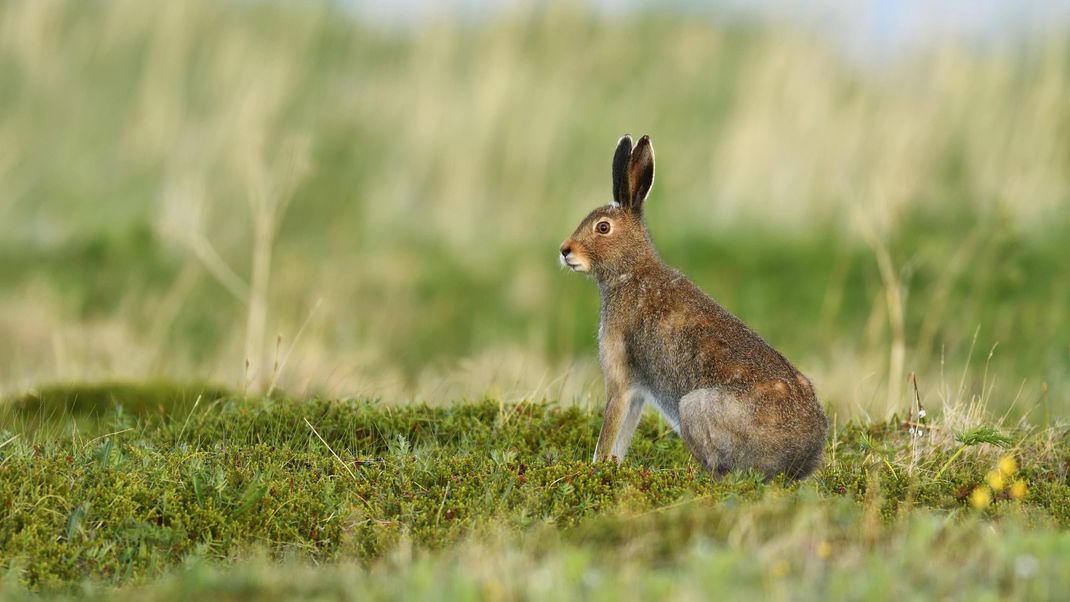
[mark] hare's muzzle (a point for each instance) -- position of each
(566, 250)
(569, 259)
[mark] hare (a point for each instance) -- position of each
(736, 401)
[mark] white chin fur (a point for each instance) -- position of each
(575, 267)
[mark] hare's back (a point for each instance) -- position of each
(698, 343)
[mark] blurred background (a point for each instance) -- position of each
(365, 199)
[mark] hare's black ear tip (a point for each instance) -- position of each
(625, 139)
(644, 140)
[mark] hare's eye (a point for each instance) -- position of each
(602, 227)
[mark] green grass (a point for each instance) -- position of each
(181, 497)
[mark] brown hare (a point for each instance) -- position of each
(736, 401)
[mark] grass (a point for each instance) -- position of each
(165, 497)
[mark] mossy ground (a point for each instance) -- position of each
(122, 486)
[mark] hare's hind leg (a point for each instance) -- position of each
(713, 424)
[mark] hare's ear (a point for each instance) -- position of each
(620, 170)
(640, 174)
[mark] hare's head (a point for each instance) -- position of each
(613, 240)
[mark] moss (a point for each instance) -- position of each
(213, 479)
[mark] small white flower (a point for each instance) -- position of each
(921, 413)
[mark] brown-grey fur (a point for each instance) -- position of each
(736, 401)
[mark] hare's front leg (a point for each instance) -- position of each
(621, 417)
(623, 403)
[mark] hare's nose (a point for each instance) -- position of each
(565, 250)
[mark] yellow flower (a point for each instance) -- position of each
(824, 550)
(1018, 489)
(1008, 465)
(995, 480)
(981, 497)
